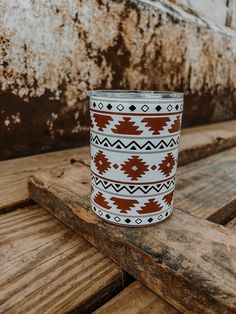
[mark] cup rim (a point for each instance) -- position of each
(134, 94)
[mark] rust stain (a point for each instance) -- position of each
(102, 44)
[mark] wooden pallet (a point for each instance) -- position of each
(34, 249)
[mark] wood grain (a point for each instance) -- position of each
(203, 141)
(14, 173)
(207, 188)
(136, 299)
(196, 143)
(232, 224)
(47, 268)
(188, 261)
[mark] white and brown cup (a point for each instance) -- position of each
(134, 151)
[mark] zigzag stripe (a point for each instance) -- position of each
(133, 145)
(132, 189)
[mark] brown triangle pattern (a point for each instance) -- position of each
(126, 126)
(168, 198)
(156, 124)
(151, 206)
(102, 121)
(100, 200)
(175, 127)
(124, 204)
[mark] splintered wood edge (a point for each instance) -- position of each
(184, 283)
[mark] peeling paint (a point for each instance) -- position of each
(51, 54)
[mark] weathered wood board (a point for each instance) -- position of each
(14, 173)
(232, 224)
(136, 299)
(200, 142)
(207, 188)
(47, 268)
(188, 261)
(196, 143)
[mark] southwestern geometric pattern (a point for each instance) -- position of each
(135, 126)
(134, 151)
(132, 145)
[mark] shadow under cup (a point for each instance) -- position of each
(134, 150)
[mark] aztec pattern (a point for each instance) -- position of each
(134, 151)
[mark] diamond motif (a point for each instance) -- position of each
(100, 105)
(94, 208)
(100, 212)
(134, 167)
(102, 162)
(158, 108)
(132, 108)
(144, 108)
(94, 105)
(108, 216)
(167, 164)
(169, 108)
(177, 107)
(117, 219)
(109, 106)
(120, 107)
(138, 221)
(127, 220)
(166, 214)
(115, 166)
(150, 219)
(160, 217)
(153, 167)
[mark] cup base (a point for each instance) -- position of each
(131, 221)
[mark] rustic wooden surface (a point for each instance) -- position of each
(187, 266)
(196, 143)
(47, 268)
(14, 173)
(232, 224)
(200, 142)
(207, 188)
(136, 299)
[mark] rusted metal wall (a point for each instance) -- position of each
(220, 12)
(52, 52)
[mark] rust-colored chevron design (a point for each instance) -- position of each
(101, 201)
(102, 163)
(156, 124)
(151, 206)
(102, 121)
(134, 167)
(124, 204)
(168, 198)
(126, 126)
(175, 127)
(167, 164)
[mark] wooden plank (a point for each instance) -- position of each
(47, 268)
(200, 142)
(136, 299)
(207, 188)
(196, 143)
(232, 224)
(186, 260)
(14, 173)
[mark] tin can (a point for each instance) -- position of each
(134, 150)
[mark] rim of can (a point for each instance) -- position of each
(134, 94)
